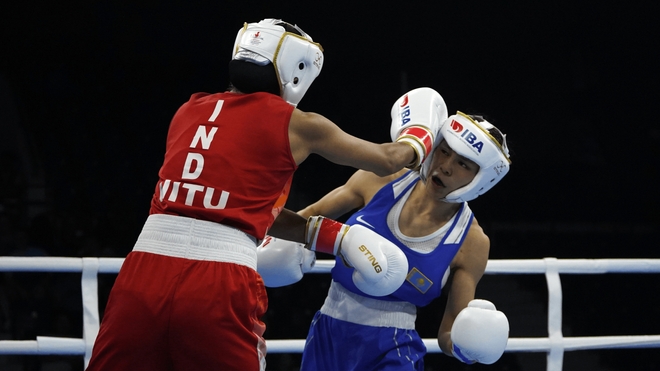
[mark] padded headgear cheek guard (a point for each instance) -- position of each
(297, 59)
(472, 140)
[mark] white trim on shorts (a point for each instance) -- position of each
(188, 238)
(348, 306)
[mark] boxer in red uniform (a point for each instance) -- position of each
(188, 297)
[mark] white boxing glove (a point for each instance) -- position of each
(479, 333)
(282, 262)
(380, 266)
(417, 117)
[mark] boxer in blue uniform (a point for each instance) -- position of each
(425, 213)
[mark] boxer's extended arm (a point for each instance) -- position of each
(380, 266)
(312, 133)
(352, 195)
(289, 226)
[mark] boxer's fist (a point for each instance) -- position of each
(380, 266)
(416, 120)
(281, 262)
(479, 333)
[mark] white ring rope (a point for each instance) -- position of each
(555, 335)
(555, 344)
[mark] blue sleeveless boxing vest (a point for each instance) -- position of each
(425, 270)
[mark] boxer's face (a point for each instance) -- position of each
(450, 171)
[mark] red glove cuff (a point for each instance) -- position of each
(324, 235)
(420, 134)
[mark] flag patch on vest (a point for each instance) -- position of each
(419, 280)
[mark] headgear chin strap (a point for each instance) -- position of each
(472, 140)
(297, 59)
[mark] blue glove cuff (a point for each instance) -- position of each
(456, 351)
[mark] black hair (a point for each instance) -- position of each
(494, 132)
(248, 77)
(497, 134)
(288, 27)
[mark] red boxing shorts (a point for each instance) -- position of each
(173, 313)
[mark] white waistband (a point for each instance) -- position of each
(347, 306)
(189, 238)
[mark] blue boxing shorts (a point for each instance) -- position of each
(337, 345)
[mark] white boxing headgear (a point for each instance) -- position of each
(471, 139)
(297, 59)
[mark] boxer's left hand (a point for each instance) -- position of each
(281, 262)
(479, 333)
(417, 116)
(380, 266)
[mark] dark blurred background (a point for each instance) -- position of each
(87, 89)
